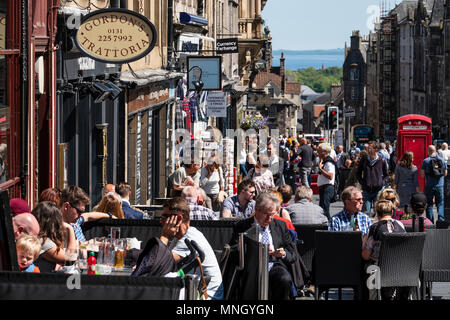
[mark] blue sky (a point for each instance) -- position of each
(319, 24)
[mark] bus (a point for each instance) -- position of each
(362, 133)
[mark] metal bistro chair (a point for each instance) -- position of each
(400, 259)
(306, 246)
(337, 262)
(442, 224)
(435, 260)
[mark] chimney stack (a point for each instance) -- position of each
(283, 73)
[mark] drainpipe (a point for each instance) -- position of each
(25, 98)
(170, 35)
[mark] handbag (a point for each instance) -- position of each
(204, 293)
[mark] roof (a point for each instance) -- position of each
(307, 91)
(263, 78)
(414, 117)
(318, 110)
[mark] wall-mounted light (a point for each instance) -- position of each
(99, 91)
(115, 89)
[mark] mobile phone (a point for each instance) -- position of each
(179, 217)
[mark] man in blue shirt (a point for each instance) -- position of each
(241, 205)
(434, 186)
(73, 206)
(353, 203)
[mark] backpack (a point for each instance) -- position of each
(437, 169)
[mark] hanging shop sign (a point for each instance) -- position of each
(116, 35)
(227, 45)
(204, 73)
(216, 105)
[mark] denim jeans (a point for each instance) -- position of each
(447, 191)
(438, 194)
(304, 175)
(368, 198)
(326, 194)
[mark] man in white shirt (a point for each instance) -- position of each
(445, 154)
(325, 180)
(182, 231)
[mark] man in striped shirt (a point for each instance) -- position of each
(190, 194)
(73, 206)
(353, 203)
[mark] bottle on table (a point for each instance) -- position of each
(91, 262)
(356, 226)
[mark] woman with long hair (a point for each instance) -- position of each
(111, 203)
(406, 179)
(54, 234)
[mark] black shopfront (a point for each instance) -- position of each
(91, 119)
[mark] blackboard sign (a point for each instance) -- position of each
(227, 45)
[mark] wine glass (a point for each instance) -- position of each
(70, 259)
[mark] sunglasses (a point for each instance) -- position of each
(79, 211)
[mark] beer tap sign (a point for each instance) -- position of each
(116, 35)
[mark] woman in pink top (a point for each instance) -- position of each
(418, 205)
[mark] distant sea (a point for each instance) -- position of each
(303, 59)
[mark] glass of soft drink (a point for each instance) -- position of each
(99, 244)
(119, 253)
(82, 255)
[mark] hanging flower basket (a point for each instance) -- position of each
(254, 121)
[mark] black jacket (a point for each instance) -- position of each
(281, 237)
(372, 177)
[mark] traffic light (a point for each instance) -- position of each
(333, 118)
(341, 117)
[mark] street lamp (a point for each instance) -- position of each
(197, 78)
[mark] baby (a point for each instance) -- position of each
(28, 248)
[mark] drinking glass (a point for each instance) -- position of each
(99, 244)
(70, 256)
(119, 250)
(108, 252)
(115, 233)
(70, 261)
(82, 255)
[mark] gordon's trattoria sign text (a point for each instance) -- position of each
(116, 35)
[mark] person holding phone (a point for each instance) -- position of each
(176, 225)
(274, 233)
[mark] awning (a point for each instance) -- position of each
(188, 18)
(197, 36)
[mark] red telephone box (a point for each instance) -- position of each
(414, 134)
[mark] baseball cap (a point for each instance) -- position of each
(19, 205)
(418, 199)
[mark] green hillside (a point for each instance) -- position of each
(318, 80)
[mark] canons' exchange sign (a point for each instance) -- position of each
(116, 35)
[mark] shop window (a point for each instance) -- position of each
(4, 109)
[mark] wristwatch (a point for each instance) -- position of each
(110, 215)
